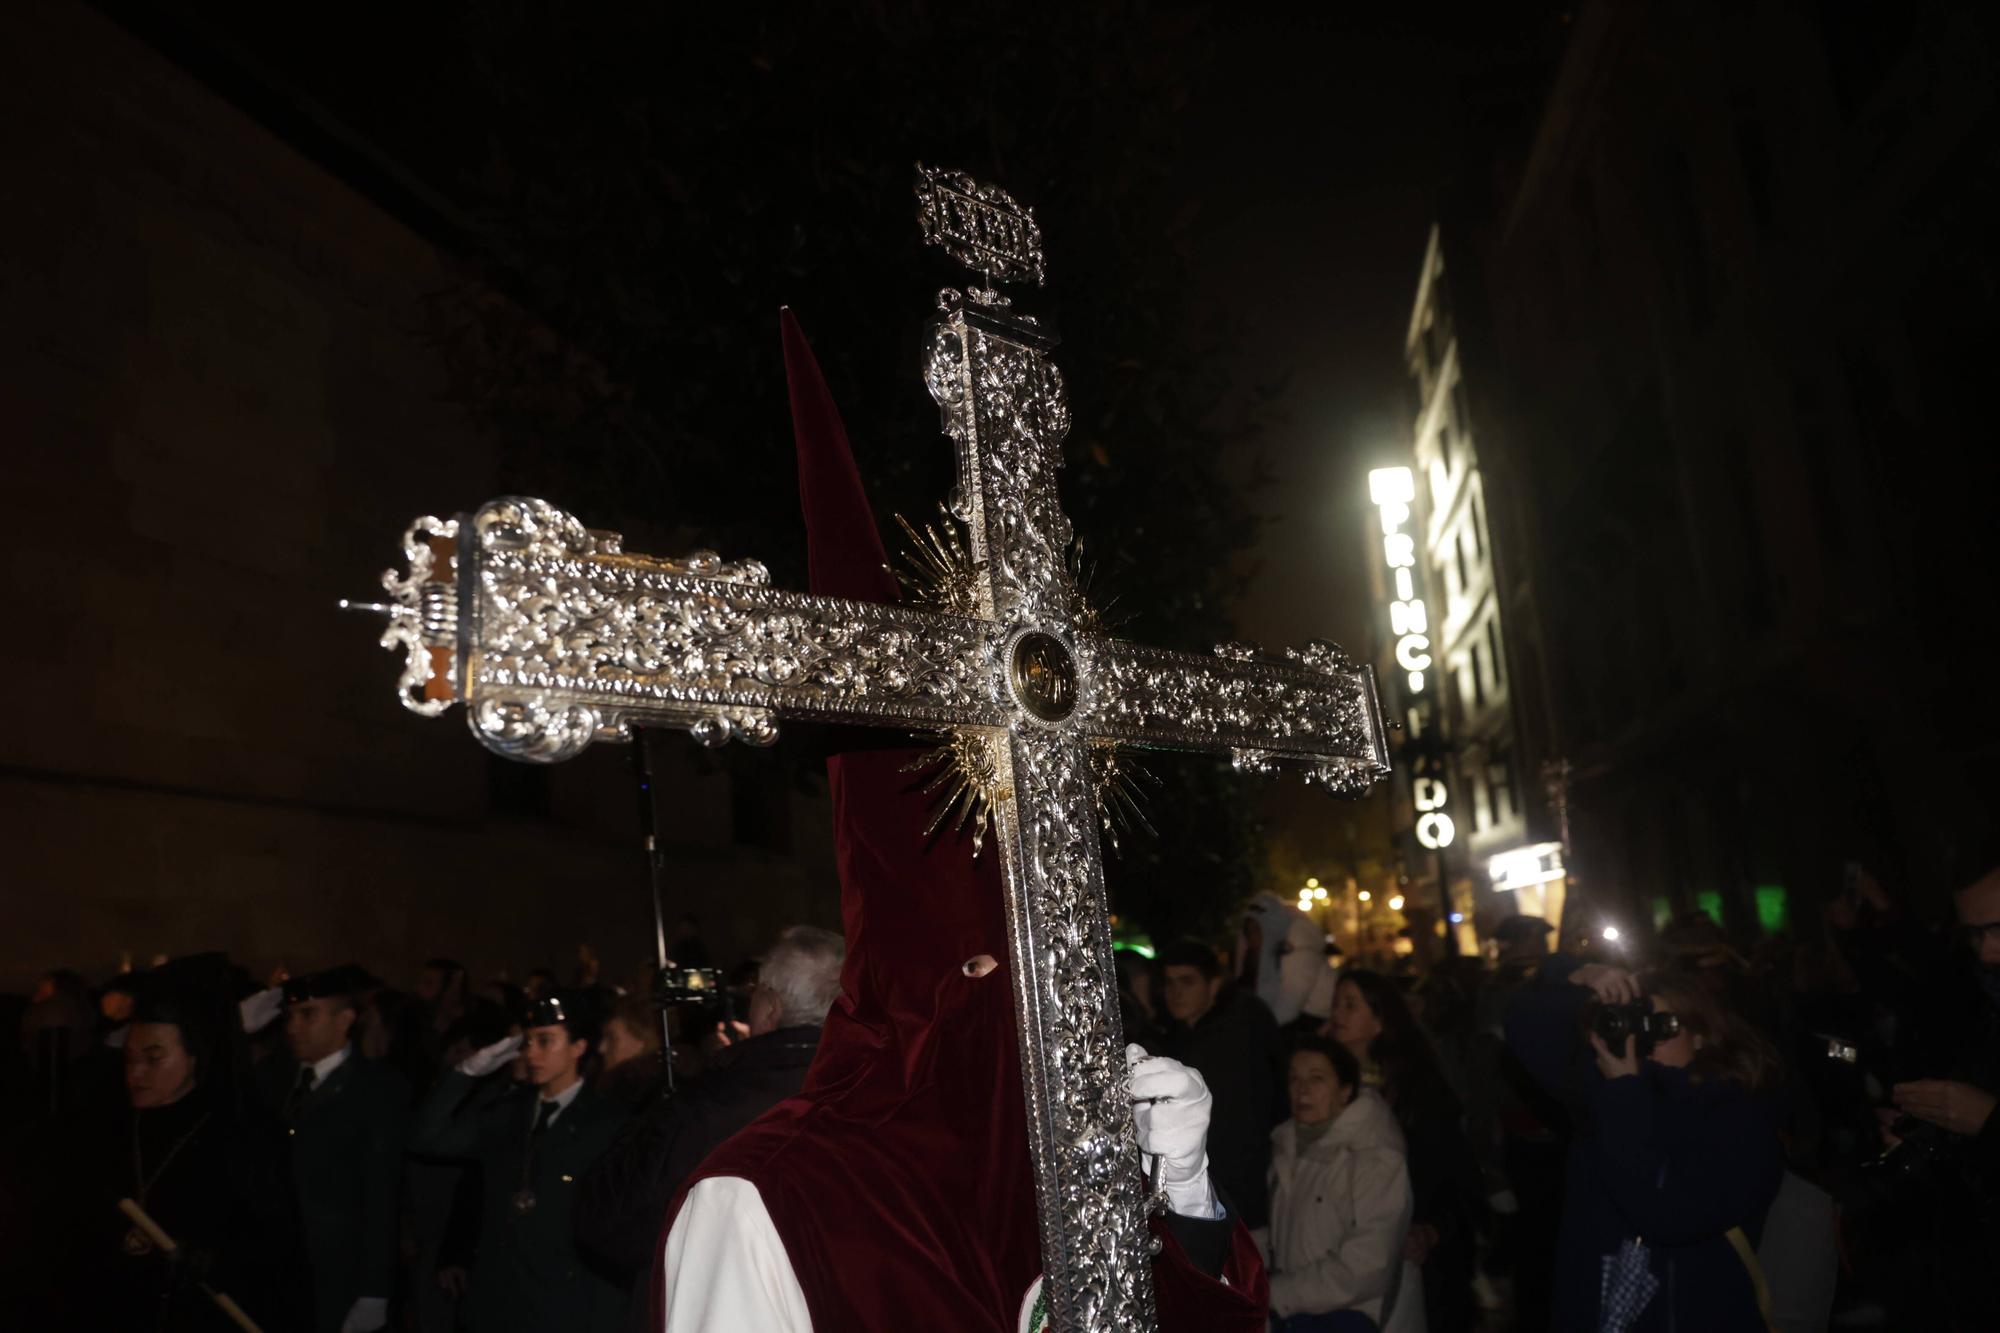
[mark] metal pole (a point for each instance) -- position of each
(1556, 779)
(642, 764)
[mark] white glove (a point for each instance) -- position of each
(367, 1314)
(489, 1058)
(1170, 1106)
(258, 1010)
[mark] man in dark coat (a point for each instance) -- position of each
(1229, 1036)
(345, 1120)
(533, 1143)
(624, 1198)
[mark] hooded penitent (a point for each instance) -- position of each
(1292, 975)
(899, 1178)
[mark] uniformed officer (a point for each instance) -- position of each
(346, 1120)
(533, 1143)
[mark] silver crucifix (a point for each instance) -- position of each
(554, 636)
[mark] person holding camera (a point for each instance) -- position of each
(1942, 1135)
(1675, 1143)
(623, 1199)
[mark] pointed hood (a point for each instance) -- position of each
(899, 1179)
(911, 1122)
(914, 908)
(1292, 972)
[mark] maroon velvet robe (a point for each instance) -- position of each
(899, 1178)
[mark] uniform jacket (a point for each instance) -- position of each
(347, 1164)
(1339, 1211)
(528, 1276)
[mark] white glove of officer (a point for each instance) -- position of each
(257, 1011)
(489, 1058)
(367, 1314)
(1170, 1107)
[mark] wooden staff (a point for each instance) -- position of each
(165, 1244)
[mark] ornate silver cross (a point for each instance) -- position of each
(553, 636)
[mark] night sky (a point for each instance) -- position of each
(1317, 138)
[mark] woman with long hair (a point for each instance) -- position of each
(630, 1046)
(1373, 1022)
(1340, 1199)
(1676, 1143)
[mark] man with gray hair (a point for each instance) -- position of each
(623, 1199)
(798, 980)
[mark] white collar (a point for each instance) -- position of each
(561, 1100)
(323, 1069)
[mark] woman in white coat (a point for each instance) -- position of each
(1340, 1204)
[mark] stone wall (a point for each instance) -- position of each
(221, 404)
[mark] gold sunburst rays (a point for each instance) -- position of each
(1122, 786)
(938, 569)
(1090, 618)
(965, 784)
(964, 771)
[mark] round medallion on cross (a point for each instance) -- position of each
(1041, 675)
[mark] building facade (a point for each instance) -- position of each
(225, 397)
(1472, 809)
(1721, 455)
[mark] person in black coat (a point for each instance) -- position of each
(1228, 1036)
(622, 1203)
(1675, 1145)
(1373, 1022)
(345, 1121)
(207, 1168)
(533, 1142)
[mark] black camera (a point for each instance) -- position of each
(687, 985)
(1923, 1145)
(1613, 1023)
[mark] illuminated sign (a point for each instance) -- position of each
(1394, 489)
(1541, 863)
(1434, 827)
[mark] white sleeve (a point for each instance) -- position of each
(726, 1268)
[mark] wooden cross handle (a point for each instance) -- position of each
(165, 1243)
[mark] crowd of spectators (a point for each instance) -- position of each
(1584, 1134)
(327, 1152)
(1565, 1134)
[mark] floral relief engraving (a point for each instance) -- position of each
(557, 637)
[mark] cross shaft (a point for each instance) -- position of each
(554, 636)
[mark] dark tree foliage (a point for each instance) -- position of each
(656, 181)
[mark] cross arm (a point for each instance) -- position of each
(1313, 708)
(553, 636)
